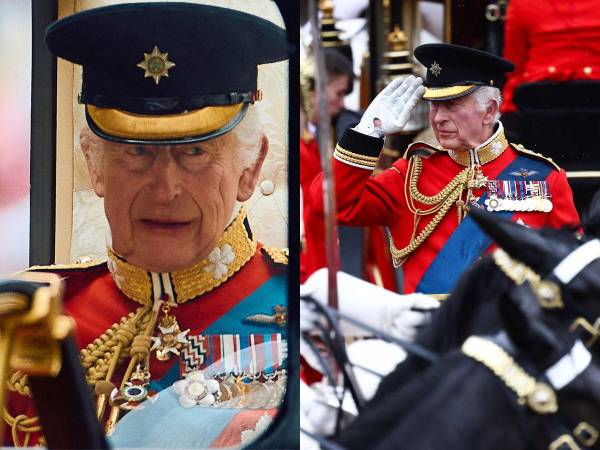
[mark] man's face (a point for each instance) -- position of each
(336, 90)
(458, 124)
(167, 205)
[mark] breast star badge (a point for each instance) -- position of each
(156, 65)
(435, 69)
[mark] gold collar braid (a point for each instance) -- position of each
(234, 249)
(485, 153)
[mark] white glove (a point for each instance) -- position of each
(372, 305)
(319, 405)
(389, 112)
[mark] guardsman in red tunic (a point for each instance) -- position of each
(548, 40)
(424, 197)
(183, 325)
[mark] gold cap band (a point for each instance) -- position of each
(121, 124)
(447, 93)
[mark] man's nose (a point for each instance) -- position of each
(438, 114)
(166, 182)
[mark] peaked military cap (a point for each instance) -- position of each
(166, 73)
(454, 71)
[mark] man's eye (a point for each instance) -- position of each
(139, 150)
(193, 151)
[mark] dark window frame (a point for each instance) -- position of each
(43, 137)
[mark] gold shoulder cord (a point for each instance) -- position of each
(538, 396)
(442, 202)
(99, 359)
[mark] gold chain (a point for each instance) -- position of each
(21, 423)
(415, 173)
(442, 201)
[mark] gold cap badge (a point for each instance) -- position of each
(156, 64)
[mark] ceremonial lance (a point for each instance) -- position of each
(331, 235)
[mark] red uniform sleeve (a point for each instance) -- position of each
(362, 200)
(563, 209)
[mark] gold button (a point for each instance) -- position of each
(551, 69)
(587, 70)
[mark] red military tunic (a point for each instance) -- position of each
(99, 295)
(312, 255)
(364, 200)
(550, 40)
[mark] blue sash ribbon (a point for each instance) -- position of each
(468, 241)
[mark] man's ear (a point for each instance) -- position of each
(490, 112)
(89, 147)
(249, 176)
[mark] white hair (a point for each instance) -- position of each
(249, 136)
(91, 146)
(484, 95)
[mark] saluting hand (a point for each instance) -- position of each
(389, 112)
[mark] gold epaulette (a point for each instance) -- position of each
(276, 255)
(84, 263)
(519, 148)
(421, 149)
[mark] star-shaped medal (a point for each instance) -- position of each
(156, 65)
(170, 341)
(435, 69)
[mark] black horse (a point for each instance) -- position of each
(459, 402)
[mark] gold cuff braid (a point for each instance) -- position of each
(355, 158)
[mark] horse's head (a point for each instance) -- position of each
(560, 268)
(553, 307)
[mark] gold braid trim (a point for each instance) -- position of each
(18, 382)
(343, 151)
(356, 158)
(23, 424)
(417, 169)
(95, 358)
(442, 201)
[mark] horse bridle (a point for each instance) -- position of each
(539, 396)
(547, 290)
(533, 394)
